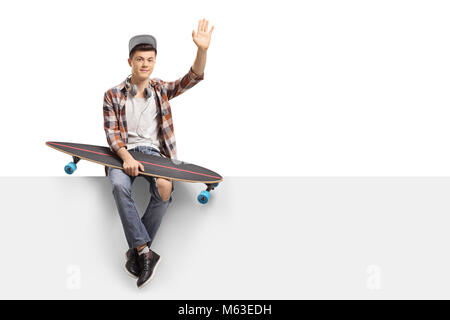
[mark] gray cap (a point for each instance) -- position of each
(140, 39)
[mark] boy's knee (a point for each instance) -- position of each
(164, 188)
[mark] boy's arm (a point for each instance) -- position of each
(111, 124)
(201, 39)
(200, 61)
(124, 154)
(177, 87)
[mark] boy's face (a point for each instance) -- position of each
(142, 64)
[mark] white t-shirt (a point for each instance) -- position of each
(141, 121)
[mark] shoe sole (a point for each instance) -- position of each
(153, 273)
(129, 273)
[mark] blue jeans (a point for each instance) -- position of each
(138, 231)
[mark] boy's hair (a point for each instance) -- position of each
(142, 47)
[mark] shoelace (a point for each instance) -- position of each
(146, 265)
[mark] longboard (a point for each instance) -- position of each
(154, 166)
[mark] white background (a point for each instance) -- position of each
(291, 87)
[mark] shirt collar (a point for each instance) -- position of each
(125, 86)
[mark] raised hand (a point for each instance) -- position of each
(202, 37)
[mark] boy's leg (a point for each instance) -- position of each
(135, 231)
(156, 208)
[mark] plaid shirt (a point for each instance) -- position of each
(114, 116)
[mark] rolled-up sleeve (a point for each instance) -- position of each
(177, 87)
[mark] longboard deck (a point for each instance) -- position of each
(154, 166)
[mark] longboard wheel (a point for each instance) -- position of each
(70, 168)
(203, 197)
(216, 185)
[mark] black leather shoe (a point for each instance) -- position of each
(132, 265)
(148, 263)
